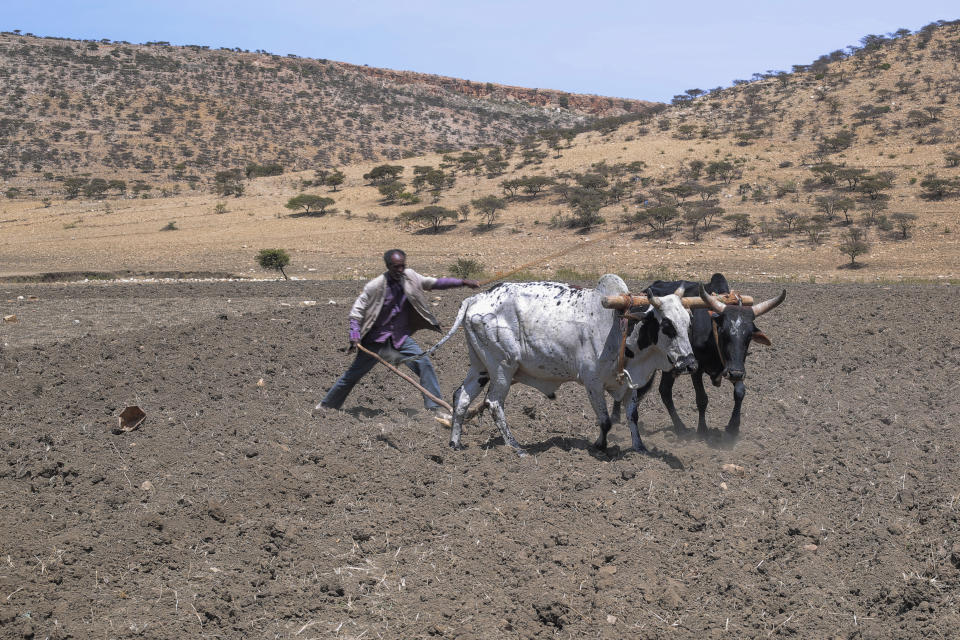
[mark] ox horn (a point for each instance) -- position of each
(769, 305)
(655, 301)
(712, 302)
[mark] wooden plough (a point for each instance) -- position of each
(627, 300)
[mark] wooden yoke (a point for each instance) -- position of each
(627, 300)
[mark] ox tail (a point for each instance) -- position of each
(453, 330)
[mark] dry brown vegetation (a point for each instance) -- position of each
(160, 113)
(761, 180)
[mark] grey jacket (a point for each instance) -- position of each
(368, 304)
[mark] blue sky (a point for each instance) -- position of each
(640, 49)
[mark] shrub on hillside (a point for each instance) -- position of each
(905, 222)
(465, 268)
(854, 244)
(254, 170)
(489, 207)
(740, 223)
(274, 259)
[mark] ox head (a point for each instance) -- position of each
(665, 327)
(735, 330)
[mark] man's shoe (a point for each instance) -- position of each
(321, 409)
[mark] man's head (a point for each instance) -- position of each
(396, 261)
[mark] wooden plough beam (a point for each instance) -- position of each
(627, 300)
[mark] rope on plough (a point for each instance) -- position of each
(500, 275)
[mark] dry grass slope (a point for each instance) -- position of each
(763, 180)
(155, 111)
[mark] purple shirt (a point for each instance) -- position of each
(394, 319)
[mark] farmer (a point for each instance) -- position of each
(391, 307)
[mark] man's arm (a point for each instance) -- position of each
(450, 283)
(356, 317)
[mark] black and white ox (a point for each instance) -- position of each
(721, 338)
(543, 334)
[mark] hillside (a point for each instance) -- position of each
(155, 111)
(768, 180)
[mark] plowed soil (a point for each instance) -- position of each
(232, 513)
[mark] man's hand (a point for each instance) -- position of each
(473, 284)
(352, 348)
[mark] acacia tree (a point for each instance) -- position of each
(383, 174)
(872, 208)
(721, 170)
(851, 175)
(827, 205)
(815, 227)
(872, 185)
(787, 217)
(96, 188)
(432, 216)
(741, 223)
(510, 187)
(392, 191)
(854, 244)
(275, 259)
(420, 174)
(334, 179)
(657, 218)
(936, 188)
(696, 217)
(229, 182)
(533, 185)
(489, 207)
(309, 203)
(586, 205)
(846, 205)
(905, 222)
(72, 187)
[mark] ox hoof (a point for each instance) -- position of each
(521, 453)
(600, 445)
(456, 446)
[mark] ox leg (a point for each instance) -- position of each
(615, 412)
(462, 398)
(697, 379)
(499, 388)
(739, 390)
(599, 402)
(666, 395)
(633, 414)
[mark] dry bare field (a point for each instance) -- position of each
(231, 512)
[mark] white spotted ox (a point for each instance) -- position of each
(543, 334)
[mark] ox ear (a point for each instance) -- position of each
(761, 337)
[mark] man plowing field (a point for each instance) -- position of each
(390, 308)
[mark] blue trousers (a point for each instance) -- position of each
(362, 364)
